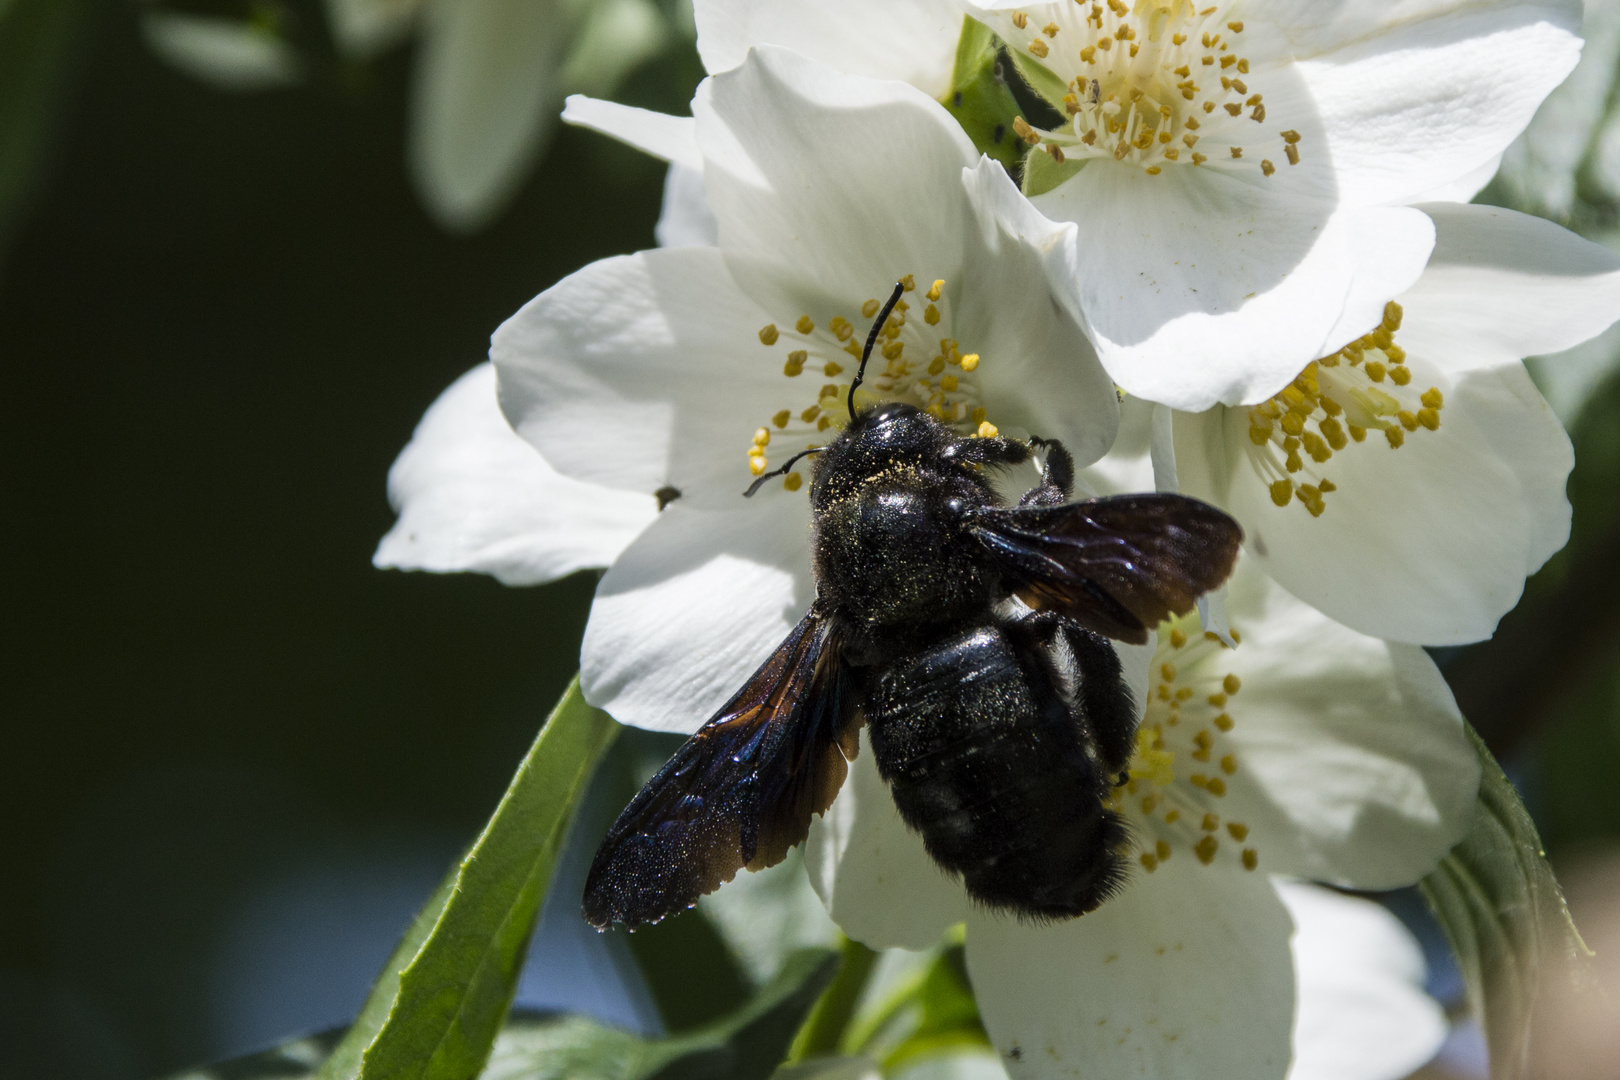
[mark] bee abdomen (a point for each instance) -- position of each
(990, 764)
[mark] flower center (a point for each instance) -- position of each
(1177, 775)
(1364, 386)
(1147, 83)
(919, 365)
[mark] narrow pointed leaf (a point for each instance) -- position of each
(440, 1002)
(1501, 907)
(747, 1044)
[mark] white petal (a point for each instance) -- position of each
(1503, 285)
(1185, 974)
(828, 186)
(1199, 286)
(961, 1065)
(1567, 379)
(1313, 28)
(472, 495)
(1040, 373)
(484, 101)
(872, 872)
(1363, 1014)
(659, 134)
(1431, 101)
(230, 54)
(685, 219)
(913, 41)
(692, 608)
(1430, 543)
(1388, 262)
(1352, 765)
(644, 371)
(1464, 187)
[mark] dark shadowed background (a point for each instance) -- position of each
(234, 757)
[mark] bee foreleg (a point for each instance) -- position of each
(995, 450)
(1057, 475)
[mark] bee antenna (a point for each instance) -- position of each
(871, 339)
(792, 461)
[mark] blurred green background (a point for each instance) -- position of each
(221, 316)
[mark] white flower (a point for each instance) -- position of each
(1407, 484)
(696, 369)
(1329, 755)
(1242, 165)
(1310, 751)
(1201, 275)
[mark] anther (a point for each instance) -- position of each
(768, 334)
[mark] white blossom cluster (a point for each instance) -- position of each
(1254, 276)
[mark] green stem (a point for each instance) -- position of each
(824, 1029)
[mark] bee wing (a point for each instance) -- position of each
(1117, 565)
(740, 792)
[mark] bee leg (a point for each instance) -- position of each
(1104, 696)
(1057, 475)
(995, 450)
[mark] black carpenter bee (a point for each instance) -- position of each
(1001, 727)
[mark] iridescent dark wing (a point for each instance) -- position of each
(740, 792)
(1117, 565)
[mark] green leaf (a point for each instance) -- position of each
(1041, 79)
(746, 1045)
(1504, 914)
(1042, 172)
(439, 1004)
(824, 1029)
(929, 1013)
(979, 97)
